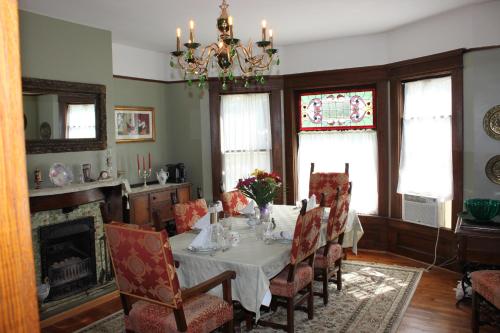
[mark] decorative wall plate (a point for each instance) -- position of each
(493, 169)
(491, 122)
(45, 131)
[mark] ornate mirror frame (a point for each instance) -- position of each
(69, 145)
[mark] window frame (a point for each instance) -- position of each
(272, 86)
(445, 64)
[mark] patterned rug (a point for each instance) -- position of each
(374, 298)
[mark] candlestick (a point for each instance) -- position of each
(143, 162)
(264, 23)
(178, 39)
(191, 31)
(138, 165)
(271, 37)
(145, 174)
(230, 21)
(149, 156)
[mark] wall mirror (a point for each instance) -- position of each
(62, 116)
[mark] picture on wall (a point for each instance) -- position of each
(337, 109)
(133, 123)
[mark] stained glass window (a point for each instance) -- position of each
(337, 110)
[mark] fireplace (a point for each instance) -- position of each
(67, 255)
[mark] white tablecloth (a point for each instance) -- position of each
(254, 262)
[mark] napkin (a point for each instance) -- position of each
(282, 235)
(311, 203)
(248, 209)
(202, 240)
(203, 222)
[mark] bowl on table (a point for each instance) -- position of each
(483, 209)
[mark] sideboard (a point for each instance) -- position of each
(144, 201)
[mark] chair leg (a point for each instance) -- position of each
(475, 312)
(325, 286)
(339, 275)
(289, 315)
(310, 301)
(229, 327)
(274, 304)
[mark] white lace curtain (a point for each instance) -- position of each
(330, 151)
(426, 166)
(80, 121)
(245, 136)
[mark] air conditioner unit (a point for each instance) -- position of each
(423, 210)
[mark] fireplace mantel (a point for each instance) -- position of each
(74, 195)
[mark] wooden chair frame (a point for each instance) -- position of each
(490, 313)
(346, 168)
(306, 294)
(331, 274)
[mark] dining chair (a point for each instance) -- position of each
(233, 202)
(297, 277)
(328, 260)
(485, 299)
(327, 183)
(186, 214)
(149, 288)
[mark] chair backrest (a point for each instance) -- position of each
(233, 202)
(337, 219)
(143, 264)
(327, 183)
(186, 214)
(305, 237)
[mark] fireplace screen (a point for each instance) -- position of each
(68, 257)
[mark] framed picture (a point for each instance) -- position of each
(337, 109)
(134, 123)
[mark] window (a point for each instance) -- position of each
(245, 136)
(80, 121)
(426, 164)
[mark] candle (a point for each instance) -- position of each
(271, 37)
(138, 165)
(264, 23)
(149, 161)
(143, 163)
(191, 31)
(178, 39)
(230, 21)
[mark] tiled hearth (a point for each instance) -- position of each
(90, 212)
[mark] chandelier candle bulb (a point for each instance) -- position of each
(178, 39)
(271, 37)
(230, 22)
(264, 23)
(191, 31)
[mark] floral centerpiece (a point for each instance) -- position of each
(262, 187)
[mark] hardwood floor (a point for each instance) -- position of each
(432, 308)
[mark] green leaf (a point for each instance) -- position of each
(278, 62)
(172, 63)
(190, 82)
(246, 85)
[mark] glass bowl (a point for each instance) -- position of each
(482, 209)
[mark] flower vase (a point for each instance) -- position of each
(265, 213)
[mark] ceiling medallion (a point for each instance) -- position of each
(491, 122)
(224, 54)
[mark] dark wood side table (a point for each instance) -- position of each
(478, 247)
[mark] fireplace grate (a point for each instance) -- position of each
(69, 270)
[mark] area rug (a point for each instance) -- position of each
(373, 299)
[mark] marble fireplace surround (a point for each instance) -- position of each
(52, 206)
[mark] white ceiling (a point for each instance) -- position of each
(151, 24)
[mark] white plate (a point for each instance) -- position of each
(201, 249)
(60, 175)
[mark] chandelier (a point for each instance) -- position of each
(228, 55)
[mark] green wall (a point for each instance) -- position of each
(60, 50)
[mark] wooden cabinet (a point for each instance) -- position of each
(143, 201)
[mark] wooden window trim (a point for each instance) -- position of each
(443, 64)
(273, 86)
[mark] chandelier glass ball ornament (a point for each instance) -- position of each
(227, 56)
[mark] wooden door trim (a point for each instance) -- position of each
(18, 300)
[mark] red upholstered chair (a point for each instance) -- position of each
(485, 296)
(328, 261)
(297, 277)
(233, 201)
(327, 183)
(186, 214)
(149, 288)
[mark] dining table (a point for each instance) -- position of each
(254, 260)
